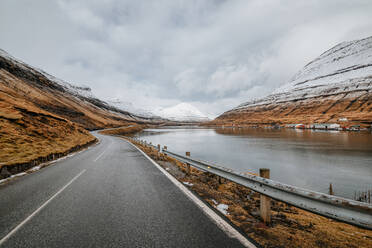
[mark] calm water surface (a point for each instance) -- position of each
(308, 159)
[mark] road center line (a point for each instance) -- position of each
(2, 241)
(100, 155)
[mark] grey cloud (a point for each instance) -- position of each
(213, 54)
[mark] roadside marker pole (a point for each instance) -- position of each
(264, 200)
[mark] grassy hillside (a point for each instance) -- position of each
(30, 135)
(357, 110)
(34, 87)
(41, 120)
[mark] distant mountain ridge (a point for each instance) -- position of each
(335, 85)
(183, 112)
(129, 107)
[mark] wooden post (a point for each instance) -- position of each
(158, 152)
(188, 165)
(264, 200)
(330, 189)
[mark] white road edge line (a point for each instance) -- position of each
(4, 239)
(221, 223)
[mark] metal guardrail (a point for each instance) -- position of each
(338, 208)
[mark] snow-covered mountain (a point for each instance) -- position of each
(129, 107)
(335, 86)
(181, 112)
(347, 67)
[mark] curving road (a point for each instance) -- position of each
(110, 195)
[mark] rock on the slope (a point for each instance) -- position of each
(335, 85)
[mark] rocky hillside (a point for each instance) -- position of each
(335, 87)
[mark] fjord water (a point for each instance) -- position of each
(304, 158)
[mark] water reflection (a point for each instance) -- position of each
(305, 158)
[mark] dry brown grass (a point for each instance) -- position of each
(290, 227)
(59, 103)
(28, 133)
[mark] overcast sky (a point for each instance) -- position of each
(213, 54)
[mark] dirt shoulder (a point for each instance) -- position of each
(290, 226)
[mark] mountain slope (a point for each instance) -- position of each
(58, 97)
(183, 112)
(334, 86)
(42, 117)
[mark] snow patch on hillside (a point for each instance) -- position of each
(81, 90)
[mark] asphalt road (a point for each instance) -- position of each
(107, 196)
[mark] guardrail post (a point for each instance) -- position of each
(164, 149)
(330, 189)
(264, 200)
(187, 164)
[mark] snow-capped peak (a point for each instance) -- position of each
(182, 112)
